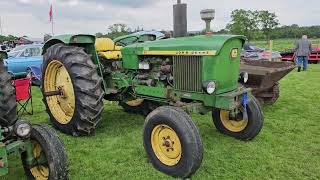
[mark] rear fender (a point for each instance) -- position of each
(80, 40)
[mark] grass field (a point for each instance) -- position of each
(287, 148)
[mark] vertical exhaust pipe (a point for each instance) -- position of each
(180, 23)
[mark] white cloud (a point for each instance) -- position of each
(30, 17)
(73, 3)
(31, 1)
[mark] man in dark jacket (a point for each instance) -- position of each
(303, 50)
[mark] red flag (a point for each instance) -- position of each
(50, 13)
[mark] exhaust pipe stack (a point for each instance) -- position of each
(180, 22)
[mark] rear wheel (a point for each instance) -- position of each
(238, 127)
(72, 90)
(172, 142)
(139, 106)
(275, 91)
(49, 154)
(8, 105)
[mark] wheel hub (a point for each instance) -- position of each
(236, 124)
(135, 103)
(39, 172)
(166, 145)
(59, 92)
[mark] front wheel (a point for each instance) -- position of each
(50, 159)
(238, 127)
(172, 142)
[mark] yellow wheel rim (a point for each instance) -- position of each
(232, 125)
(57, 77)
(166, 145)
(40, 172)
(135, 102)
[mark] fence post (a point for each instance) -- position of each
(270, 49)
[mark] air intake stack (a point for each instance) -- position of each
(208, 15)
(180, 22)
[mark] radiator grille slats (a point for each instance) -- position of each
(187, 72)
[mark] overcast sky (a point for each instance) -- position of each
(31, 17)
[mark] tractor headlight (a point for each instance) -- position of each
(22, 129)
(209, 87)
(244, 77)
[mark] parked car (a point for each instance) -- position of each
(138, 37)
(22, 57)
(252, 52)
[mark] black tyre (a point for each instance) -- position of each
(77, 107)
(47, 148)
(240, 128)
(172, 142)
(8, 105)
(143, 107)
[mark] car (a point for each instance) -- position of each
(138, 37)
(252, 52)
(22, 57)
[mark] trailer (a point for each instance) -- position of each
(290, 55)
(264, 77)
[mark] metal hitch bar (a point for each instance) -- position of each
(54, 93)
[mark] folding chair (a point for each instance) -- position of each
(23, 95)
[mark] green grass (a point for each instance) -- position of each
(283, 44)
(287, 148)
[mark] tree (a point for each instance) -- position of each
(117, 30)
(268, 21)
(99, 35)
(7, 38)
(222, 31)
(244, 23)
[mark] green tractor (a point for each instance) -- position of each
(164, 80)
(42, 153)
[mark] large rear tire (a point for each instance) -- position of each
(275, 91)
(8, 105)
(139, 106)
(172, 142)
(240, 128)
(77, 110)
(46, 147)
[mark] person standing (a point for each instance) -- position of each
(303, 50)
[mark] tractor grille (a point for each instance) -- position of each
(187, 73)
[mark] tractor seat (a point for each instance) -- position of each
(107, 49)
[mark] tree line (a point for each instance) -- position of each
(117, 30)
(7, 38)
(265, 25)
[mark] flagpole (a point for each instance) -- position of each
(52, 21)
(52, 26)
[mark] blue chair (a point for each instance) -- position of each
(35, 73)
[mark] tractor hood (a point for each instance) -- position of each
(205, 45)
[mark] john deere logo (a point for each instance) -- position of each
(234, 53)
(181, 53)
